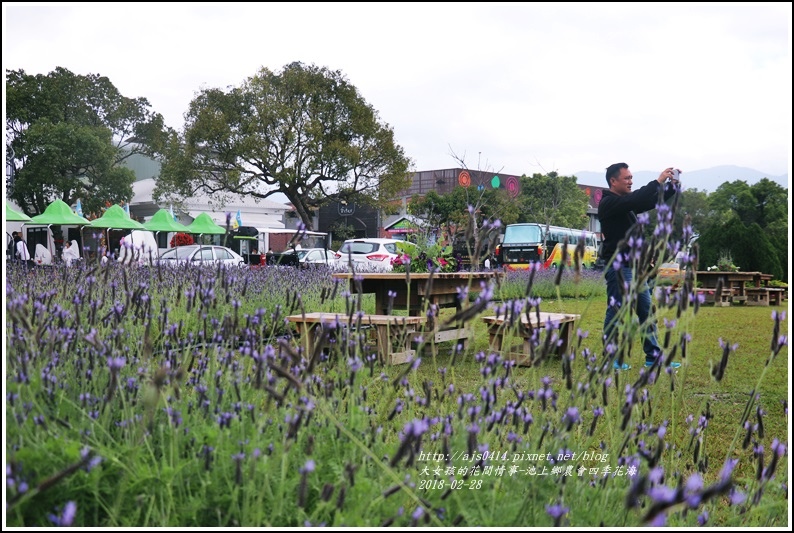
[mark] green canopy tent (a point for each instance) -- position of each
(115, 217)
(15, 216)
(58, 213)
(11, 215)
(203, 224)
(163, 221)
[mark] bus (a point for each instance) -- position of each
(527, 243)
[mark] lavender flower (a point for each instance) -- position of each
(557, 512)
(571, 417)
(656, 475)
(116, 363)
(67, 515)
(93, 460)
(416, 428)
(662, 494)
(308, 467)
(305, 470)
(727, 469)
(692, 490)
(737, 497)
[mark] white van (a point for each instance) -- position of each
(139, 246)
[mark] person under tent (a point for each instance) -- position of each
(71, 252)
(43, 255)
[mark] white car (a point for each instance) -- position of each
(374, 254)
(316, 256)
(200, 255)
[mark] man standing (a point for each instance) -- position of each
(11, 251)
(22, 252)
(617, 213)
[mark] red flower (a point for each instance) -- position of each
(181, 239)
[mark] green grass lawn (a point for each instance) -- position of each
(692, 390)
(151, 399)
(749, 327)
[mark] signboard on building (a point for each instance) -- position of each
(346, 209)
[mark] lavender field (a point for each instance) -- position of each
(151, 397)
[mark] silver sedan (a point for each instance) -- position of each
(200, 255)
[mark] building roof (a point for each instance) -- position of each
(143, 193)
(259, 214)
(256, 220)
(404, 224)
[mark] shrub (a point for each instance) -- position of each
(423, 257)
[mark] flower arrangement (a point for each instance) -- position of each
(181, 239)
(724, 264)
(424, 258)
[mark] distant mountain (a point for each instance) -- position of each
(704, 180)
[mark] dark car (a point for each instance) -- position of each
(287, 258)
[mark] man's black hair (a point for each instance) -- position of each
(613, 171)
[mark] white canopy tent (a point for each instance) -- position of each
(264, 234)
(257, 220)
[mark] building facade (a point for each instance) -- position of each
(363, 221)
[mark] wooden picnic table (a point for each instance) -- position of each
(393, 334)
(524, 329)
(415, 293)
(731, 280)
(735, 283)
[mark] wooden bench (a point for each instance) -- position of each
(777, 295)
(757, 296)
(393, 334)
(499, 328)
(723, 299)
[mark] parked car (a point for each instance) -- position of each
(286, 258)
(369, 254)
(201, 254)
(316, 256)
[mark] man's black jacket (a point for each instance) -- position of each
(618, 213)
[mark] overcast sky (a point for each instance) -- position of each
(516, 88)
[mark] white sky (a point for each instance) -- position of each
(512, 87)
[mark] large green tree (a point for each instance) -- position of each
(67, 136)
(463, 206)
(733, 199)
(305, 132)
(750, 223)
(551, 199)
(746, 244)
(468, 216)
(694, 204)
